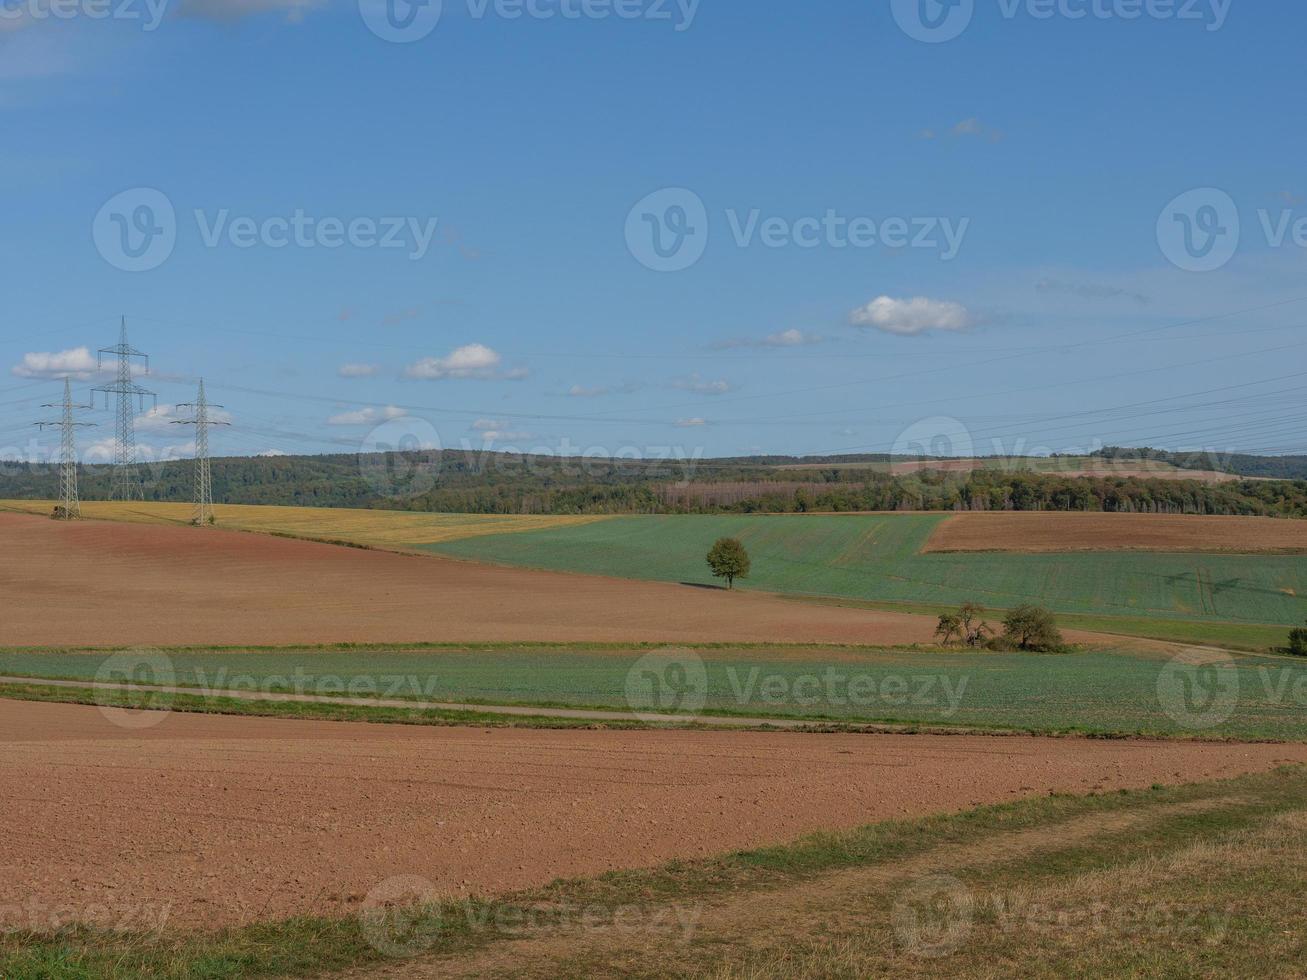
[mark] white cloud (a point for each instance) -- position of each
(505, 435)
(475, 361)
(909, 317)
(690, 423)
(367, 416)
(784, 338)
(702, 386)
(77, 363)
(160, 418)
(493, 430)
(268, 453)
(359, 370)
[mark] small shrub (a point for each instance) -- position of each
(1298, 642)
(966, 626)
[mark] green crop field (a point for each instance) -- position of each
(1099, 692)
(878, 557)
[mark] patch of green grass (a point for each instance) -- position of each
(1093, 692)
(1247, 637)
(1022, 848)
(878, 557)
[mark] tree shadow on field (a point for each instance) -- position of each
(704, 585)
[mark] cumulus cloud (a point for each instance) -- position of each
(784, 338)
(910, 317)
(160, 418)
(702, 386)
(77, 363)
(359, 370)
(269, 453)
(367, 416)
(493, 430)
(475, 361)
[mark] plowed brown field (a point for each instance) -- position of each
(1052, 532)
(94, 583)
(223, 820)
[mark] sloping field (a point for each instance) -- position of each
(221, 820)
(879, 557)
(1092, 692)
(1043, 532)
(99, 583)
(392, 529)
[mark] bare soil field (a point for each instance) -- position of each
(1046, 531)
(221, 820)
(94, 583)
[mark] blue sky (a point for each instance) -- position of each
(1020, 280)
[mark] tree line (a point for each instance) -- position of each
(458, 482)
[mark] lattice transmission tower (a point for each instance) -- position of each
(126, 475)
(203, 514)
(70, 504)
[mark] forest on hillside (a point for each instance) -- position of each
(462, 482)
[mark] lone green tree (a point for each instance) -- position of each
(1298, 642)
(1032, 628)
(728, 559)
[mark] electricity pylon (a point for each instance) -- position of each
(70, 504)
(203, 515)
(126, 477)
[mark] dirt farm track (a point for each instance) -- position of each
(102, 584)
(226, 820)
